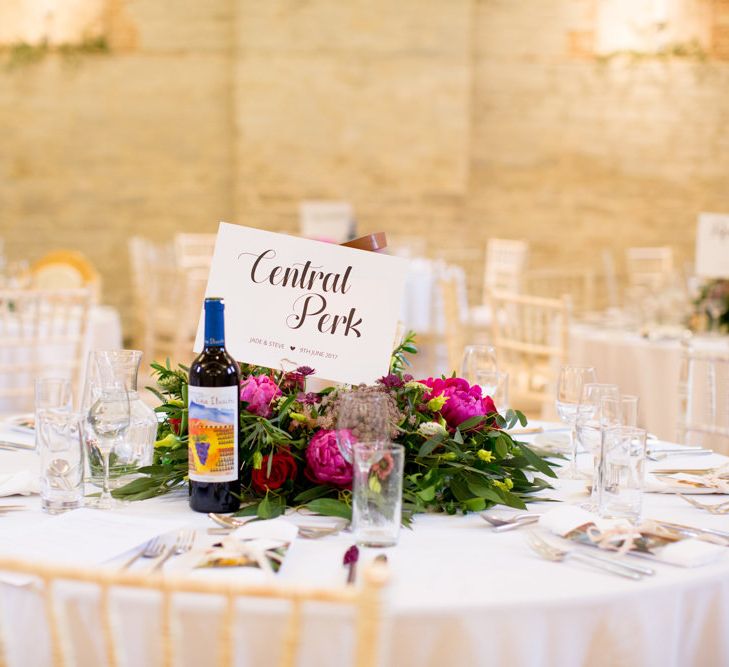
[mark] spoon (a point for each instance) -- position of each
(308, 532)
(59, 470)
(501, 525)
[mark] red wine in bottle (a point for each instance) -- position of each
(214, 420)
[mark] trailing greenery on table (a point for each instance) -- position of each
(458, 455)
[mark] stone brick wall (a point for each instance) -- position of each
(455, 119)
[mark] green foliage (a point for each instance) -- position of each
(464, 469)
(23, 54)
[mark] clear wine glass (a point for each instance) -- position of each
(363, 417)
(572, 379)
(108, 418)
(476, 359)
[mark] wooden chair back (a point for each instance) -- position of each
(327, 220)
(530, 334)
(649, 267)
(194, 251)
(506, 261)
(42, 333)
(365, 600)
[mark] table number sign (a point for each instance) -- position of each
(295, 302)
(712, 245)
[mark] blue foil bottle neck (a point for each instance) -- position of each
(214, 323)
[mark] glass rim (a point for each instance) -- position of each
(627, 429)
(378, 444)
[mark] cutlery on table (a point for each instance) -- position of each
(712, 508)
(152, 549)
(229, 523)
(551, 552)
(351, 556)
(502, 525)
(526, 430)
(183, 544)
(15, 446)
(684, 471)
(691, 531)
(660, 454)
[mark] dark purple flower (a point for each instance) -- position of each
(391, 381)
(305, 370)
(310, 398)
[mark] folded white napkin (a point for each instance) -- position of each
(690, 552)
(21, 483)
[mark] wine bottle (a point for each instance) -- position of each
(214, 420)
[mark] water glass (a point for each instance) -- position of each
(629, 410)
(364, 416)
(571, 381)
(60, 449)
(496, 385)
(51, 394)
(108, 418)
(377, 493)
(477, 358)
(621, 492)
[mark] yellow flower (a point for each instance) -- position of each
(170, 440)
(436, 403)
(485, 455)
(506, 485)
(298, 417)
(257, 460)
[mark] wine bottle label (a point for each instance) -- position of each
(213, 434)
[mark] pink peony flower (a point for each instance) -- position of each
(464, 401)
(258, 391)
(325, 463)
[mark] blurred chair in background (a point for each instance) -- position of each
(409, 247)
(66, 269)
(194, 251)
(580, 285)
(456, 330)
(530, 335)
(167, 299)
(506, 261)
(42, 333)
(704, 398)
(650, 268)
(331, 221)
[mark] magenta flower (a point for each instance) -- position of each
(464, 401)
(325, 463)
(258, 391)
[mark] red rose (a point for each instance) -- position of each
(283, 467)
(175, 424)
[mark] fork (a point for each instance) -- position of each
(153, 549)
(551, 552)
(183, 544)
(717, 508)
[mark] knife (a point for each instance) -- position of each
(692, 531)
(6, 444)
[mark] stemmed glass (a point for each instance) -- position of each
(108, 418)
(477, 358)
(572, 379)
(363, 416)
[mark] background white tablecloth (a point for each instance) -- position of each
(649, 369)
(460, 595)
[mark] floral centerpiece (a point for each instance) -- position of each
(711, 307)
(458, 455)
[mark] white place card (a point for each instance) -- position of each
(295, 302)
(712, 245)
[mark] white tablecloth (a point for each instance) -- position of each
(460, 595)
(649, 369)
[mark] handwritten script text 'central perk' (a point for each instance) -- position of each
(311, 306)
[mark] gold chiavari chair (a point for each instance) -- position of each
(506, 261)
(42, 333)
(581, 285)
(366, 600)
(194, 251)
(456, 332)
(649, 267)
(704, 398)
(530, 335)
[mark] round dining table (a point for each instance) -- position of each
(459, 593)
